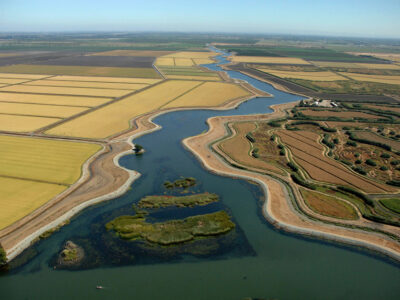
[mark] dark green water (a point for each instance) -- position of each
(265, 264)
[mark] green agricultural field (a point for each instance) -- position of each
(300, 52)
(81, 71)
(392, 204)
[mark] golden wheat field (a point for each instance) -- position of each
(165, 61)
(65, 90)
(20, 197)
(12, 80)
(374, 78)
(116, 117)
(131, 53)
(314, 76)
(270, 60)
(189, 77)
(87, 84)
(46, 160)
(105, 79)
(24, 123)
(203, 61)
(22, 76)
(189, 54)
(81, 70)
(183, 62)
(355, 65)
(52, 99)
(209, 94)
(40, 110)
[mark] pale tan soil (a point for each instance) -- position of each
(278, 209)
(103, 179)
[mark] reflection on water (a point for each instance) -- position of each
(253, 261)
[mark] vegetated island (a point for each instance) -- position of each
(72, 254)
(174, 231)
(179, 201)
(180, 183)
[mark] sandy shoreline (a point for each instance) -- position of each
(109, 180)
(102, 179)
(278, 208)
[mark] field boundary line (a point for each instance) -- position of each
(184, 93)
(35, 116)
(34, 103)
(41, 130)
(35, 180)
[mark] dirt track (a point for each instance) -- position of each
(279, 209)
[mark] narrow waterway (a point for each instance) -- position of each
(257, 261)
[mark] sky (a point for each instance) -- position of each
(364, 18)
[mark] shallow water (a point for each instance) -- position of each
(262, 262)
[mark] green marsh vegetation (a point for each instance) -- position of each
(392, 204)
(180, 201)
(181, 183)
(173, 231)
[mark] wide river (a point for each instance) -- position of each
(261, 263)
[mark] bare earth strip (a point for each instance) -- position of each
(103, 179)
(53, 99)
(278, 208)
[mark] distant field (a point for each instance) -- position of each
(203, 61)
(22, 76)
(165, 61)
(355, 65)
(209, 94)
(187, 54)
(189, 77)
(52, 99)
(373, 78)
(183, 62)
(383, 107)
(20, 197)
(12, 80)
(132, 53)
(314, 76)
(388, 56)
(81, 70)
(270, 60)
(105, 79)
(24, 123)
(339, 114)
(309, 53)
(40, 110)
(52, 161)
(87, 84)
(116, 117)
(377, 138)
(65, 91)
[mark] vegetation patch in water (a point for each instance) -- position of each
(179, 201)
(180, 183)
(174, 231)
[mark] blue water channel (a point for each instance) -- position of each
(258, 261)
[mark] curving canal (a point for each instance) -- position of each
(256, 261)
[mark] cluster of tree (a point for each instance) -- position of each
(358, 194)
(299, 180)
(324, 128)
(250, 137)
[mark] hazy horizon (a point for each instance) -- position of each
(366, 19)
